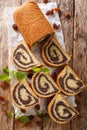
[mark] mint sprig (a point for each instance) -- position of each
(44, 116)
(9, 114)
(24, 119)
(7, 75)
(44, 69)
(20, 75)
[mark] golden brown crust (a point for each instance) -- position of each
(53, 38)
(67, 93)
(31, 23)
(37, 63)
(62, 99)
(50, 78)
(29, 89)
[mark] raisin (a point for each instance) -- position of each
(37, 107)
(23, 110)
(56, 9)
(15, 27)
(67, 15)
(44, 1)
(55, 26)
(49, 12)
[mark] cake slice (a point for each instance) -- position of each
(23, 96)
(31, 23)
(69, 82)
(53, 54)
(60, 110)
(23, 58)
(43, 85)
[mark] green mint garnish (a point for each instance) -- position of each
(20, 75)
(44, 69)
(44, 116)
(8, 75)
(24, 119)
(5, 77)
(6, 71)
(36, 69)
(10, 114)
(17, 117)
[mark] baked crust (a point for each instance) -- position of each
(31, 23)
(43, 85)
(25, 55)
(31, 95)
(55, 56)
(76, 84)
(58, 98)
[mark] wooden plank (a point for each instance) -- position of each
(80, 52)
(35, 124)
(5, 122)
(66, 6)
(80, 60)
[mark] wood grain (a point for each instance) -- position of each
(5, 122)
(80, 60)
(75, 35)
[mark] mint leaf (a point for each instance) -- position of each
(44, 116)
(10, 115)
(36, 69)
(17, 117)
(4, 77)
(5, 70)
(46, 70)
(38, 114)
(8, 75)
(20, 75)
(12, 73)
(24, 119)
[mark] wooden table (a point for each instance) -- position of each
(75, 34)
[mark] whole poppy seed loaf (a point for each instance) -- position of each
(31, 23)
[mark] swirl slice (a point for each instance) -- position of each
(69, 82)
(53, 54)
(43, 85)
(23, 96)
(60, 110)
(23, 58)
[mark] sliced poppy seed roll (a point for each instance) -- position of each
(23, 96)
(60, 110)
(43, 85)
(69, 82)
(53, 54)
(23, 59)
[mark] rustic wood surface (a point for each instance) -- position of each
(75, 34)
